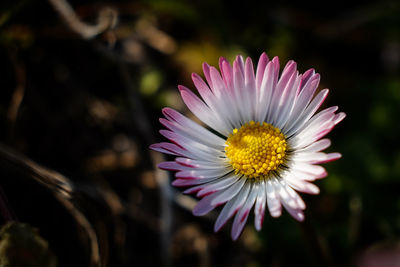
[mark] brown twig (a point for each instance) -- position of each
(60, 186)
(49, 178)
(18, 94)
(154, 37)
(316, 243)
(107, 19)
(5, 209)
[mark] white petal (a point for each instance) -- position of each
(190, 128)
(312, 136)
(314, 170)
(218, 185)
(339, 117)
(241, 217)
(316, 146)
(232, 206)
(296, 213)
(193, 134)
(250, 85)
(203, 173)
(287, 79)
(261, 65)
(229, 193)
(315, 157)
(190, 182)
(316, 121)
(172, 166)
(203, 112)
(274, 204)
(227, 99)
(200, 150)
(203, 164)
(215, 99)
(290, 197)
(172, 149)
(240, 90)
(303, 98)
(307, 176)
(203, 206)
(259, 208)
(307, 113)
(302, 185)
(287, 102)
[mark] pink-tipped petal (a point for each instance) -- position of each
(316, 157)
(295, 213)
(183, 125)
(194, 189)
(309, 168)
(302, 101)
(192, 163)
(171, 166)
(317, 122)
(203, 89)
(203, 206)
(218, 185)
(229, 193)
(227, 73)
(241, 217)
(206, 71)
(200, 109)
(200, 150)
(191, 182)
(232, 207)
(250, 85)
(285, 198)
(306, 77)
(203, 173)
(242, 95)
(308, 112)
(259, 208)
(286, 101)
(339, 117)
(317, 146)
(288, 196)
(262, 64)
(171, 149)
(286, 80)
(310, 137)
(301, 185)
(267, 88)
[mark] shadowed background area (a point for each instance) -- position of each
(82, 85)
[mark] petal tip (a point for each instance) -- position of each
(264, 55)
(235, 235)
(300, 217)
(181, 88)
(153, 146)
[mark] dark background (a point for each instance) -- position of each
(89, 110)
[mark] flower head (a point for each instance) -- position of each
(263, 141)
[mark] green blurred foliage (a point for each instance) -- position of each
(21, 245)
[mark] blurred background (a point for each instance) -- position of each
(82, 84)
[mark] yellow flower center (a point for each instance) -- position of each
(256, 149)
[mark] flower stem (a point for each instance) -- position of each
(316, 243)
(5, 209)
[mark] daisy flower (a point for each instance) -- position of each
(261, 145)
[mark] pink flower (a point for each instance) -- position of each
(262, 144)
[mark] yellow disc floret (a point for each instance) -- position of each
(256, 149)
